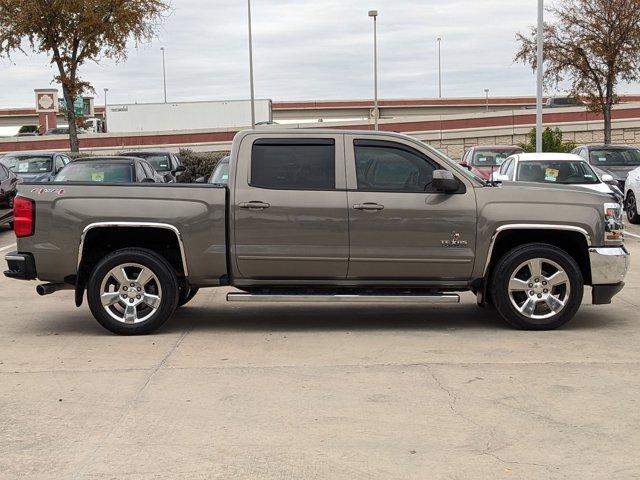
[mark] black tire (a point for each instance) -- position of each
(512, 263)
(168, 286)
(186, 295)
(631, 207)
(11, 226)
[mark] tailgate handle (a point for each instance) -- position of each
(254, 205)
(369, 207)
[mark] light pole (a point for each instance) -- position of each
(540, 75)
(164, 75)
(253, 96)
(376, 113)
(439, 67)
(486, 92)
(106, 104)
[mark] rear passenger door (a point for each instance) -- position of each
(290, 208)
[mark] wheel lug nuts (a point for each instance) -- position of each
(124, 296)
(531, 285)
(531, 293)
(139, 289)
(133, 285)
(131, 300)
(539, 295)
(125, 288)
(537, 280)
(546, 291)
(139, 297)
(544, 283)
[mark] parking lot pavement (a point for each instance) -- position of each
(301, 391)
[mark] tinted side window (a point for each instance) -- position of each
(294, 164)
(383, 167)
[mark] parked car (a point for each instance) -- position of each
(557, 168)
(166, 163)
(484, 160)
(63, 131)
(615, 160)
(632, 196)
(110, 170)
(220, 175)
(323, 216)
(8, 190)
(35, 167)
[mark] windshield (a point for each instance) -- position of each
(221, 173)
(609, 157)
(160, 161)
(563, 172)
(96, 172)
(28, 164)
(492, 158)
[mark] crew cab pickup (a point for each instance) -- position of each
(322, 216)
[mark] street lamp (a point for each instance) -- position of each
(251, 82)
(540, 75)
(486, 92)
(376, 114)
(439, 67)
(106, 104)
(164, 75)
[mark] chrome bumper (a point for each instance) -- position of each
(609, 265)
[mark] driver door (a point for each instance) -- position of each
(399, 229)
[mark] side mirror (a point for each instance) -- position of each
(180, 169)
(444, 181)
(201, 180)
(606, 178)
(148, 180)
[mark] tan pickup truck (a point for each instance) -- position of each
(322, 216)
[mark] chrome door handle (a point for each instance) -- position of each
(254, 205)
(368, 207)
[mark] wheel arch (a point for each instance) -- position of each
(575, 241)
(100, 239)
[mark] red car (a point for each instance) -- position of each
(484, 159)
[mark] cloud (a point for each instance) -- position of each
(308, 49)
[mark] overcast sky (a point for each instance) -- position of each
(308, 49)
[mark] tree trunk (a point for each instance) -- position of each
(606, 111)
(71, 117)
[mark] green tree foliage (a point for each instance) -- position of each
(551, 142)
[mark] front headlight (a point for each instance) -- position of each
(614, 225)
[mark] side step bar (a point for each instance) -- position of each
(274, 298)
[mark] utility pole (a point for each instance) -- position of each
(540, 75)
(164, 75)
(376, 110)
(253, 96)
(439, 67)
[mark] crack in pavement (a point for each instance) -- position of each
(131, 404)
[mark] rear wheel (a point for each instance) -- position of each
(132, 292)
(631, 206)
(537, 287)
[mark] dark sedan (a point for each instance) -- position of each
(8, 182)
(615, 160)
(166, 164)
(110, 170)
(35, 167)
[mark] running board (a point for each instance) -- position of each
(274, 298)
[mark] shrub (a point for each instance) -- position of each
(551, 142)
(199, 164)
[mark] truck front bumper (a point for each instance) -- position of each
(609, 266)
(22, 266)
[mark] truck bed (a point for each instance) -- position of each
(65, 212)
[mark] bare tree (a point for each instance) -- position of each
(593, 45)
(73, 32)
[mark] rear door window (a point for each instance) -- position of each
(296, 164)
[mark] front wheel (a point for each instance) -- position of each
(132, 292)
(537, 287)
(631, 206)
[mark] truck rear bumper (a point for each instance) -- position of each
(22, 266)
(609, 265)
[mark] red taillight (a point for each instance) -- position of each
(23, 217)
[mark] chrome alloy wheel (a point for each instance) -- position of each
(539, 289)
(631, 206)
(131, 293)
